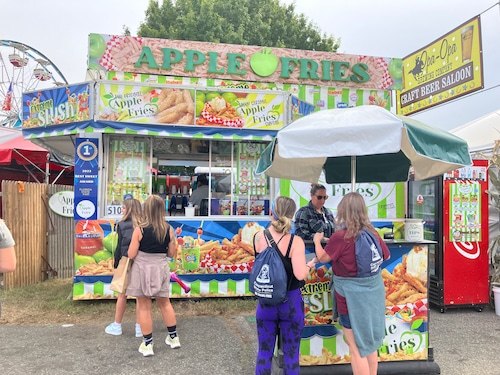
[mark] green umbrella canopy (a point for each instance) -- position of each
(361, 144)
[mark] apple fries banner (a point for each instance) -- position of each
(238, 62)
(318, 97)
(180, 105)
(444, 70)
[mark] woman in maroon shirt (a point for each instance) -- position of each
(363, 330)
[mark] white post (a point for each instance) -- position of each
(353, 173)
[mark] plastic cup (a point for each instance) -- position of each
(171, 264)
(190, 258)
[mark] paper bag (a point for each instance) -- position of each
(120, 278)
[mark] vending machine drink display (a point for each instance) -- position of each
(454, 210)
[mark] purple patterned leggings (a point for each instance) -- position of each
(289, 318)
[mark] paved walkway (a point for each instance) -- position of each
(465, 342)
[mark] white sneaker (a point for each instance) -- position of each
(114, 329)
(138, 332)
(146, 350)
(174, 343)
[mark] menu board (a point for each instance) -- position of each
(465, 212)
(248, 182)
(127, 173)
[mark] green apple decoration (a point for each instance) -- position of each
(110, 241)
(199, 107)
(211, 95)
(396, 69)
(97, 46)
(94, 66)
(229, 97)
(264, 63)
(200, 96)
(81, 260)
(102, 255)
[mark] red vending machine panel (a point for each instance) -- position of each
(465, 236)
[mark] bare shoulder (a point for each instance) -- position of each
(298, 241)
(259, 241)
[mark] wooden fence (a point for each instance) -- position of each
(44, 241)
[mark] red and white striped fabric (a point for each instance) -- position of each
(207, 115)
(208, 262)
(387, 80)
(106, 60)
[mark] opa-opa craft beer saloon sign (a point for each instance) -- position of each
(238, 62)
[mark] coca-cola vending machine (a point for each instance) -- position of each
(454, 209)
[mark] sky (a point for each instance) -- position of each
(388, 28)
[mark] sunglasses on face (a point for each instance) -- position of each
(321, 197)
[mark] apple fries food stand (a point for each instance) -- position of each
(161, 103)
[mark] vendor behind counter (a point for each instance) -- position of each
(201, 190)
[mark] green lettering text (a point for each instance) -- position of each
(146, 57)
(170, 56)
(234, 63)
(212, 67)
(308, 69)
(193, 58)
(360, 73)
(286, 67)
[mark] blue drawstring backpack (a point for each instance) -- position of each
(268, 278)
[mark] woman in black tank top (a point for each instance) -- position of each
(152, 241)
(287, 317)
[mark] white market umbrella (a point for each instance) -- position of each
(361, 144)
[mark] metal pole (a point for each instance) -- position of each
(47, 169)
(353, 173)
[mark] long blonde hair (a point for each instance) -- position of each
(283, 209)
(154, 215)
(133, 212)
(353, 215)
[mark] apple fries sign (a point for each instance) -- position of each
(172, 104)
(237, 62)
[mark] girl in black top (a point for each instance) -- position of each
(152, 241)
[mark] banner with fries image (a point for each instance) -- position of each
(215, 247)
(405, 279)
(214, 258)
(180, 105)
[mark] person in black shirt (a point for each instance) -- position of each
(315, 218)
(152, 241)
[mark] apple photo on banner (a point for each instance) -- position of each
(396, 71)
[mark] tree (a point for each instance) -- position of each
(266, 23)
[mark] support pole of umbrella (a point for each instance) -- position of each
(353, 173)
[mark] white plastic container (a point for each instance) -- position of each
(496, 295)
(414, 230)
(189, 211)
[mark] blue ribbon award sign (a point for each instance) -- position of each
(86, 180)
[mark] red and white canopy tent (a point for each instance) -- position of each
(15, 152)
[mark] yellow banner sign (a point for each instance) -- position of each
(444, 70)
(180, 105)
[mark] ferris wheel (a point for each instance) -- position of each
(23, 69)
